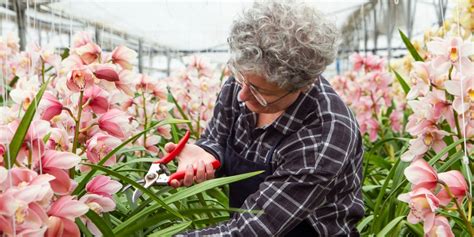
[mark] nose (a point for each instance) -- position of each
(244, 93)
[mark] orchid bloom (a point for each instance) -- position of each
(79, 79)
(106, 72)
(89, 52)
(50, 106)
(451, 51)
(423, 204)
(440, 228)
(420, 174)
(123, 56)
(457, 185)
(103, 185)
(420, 80)
(466, 96)
(431, 137)
(99, 204)
(115, 122)
(98, 99)
(61, 217)
(57, 164)
(99, 146)
(80, 39)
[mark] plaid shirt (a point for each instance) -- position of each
(317, 167)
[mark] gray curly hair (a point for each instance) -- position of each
(287, 42)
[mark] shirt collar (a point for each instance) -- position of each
(293, 117)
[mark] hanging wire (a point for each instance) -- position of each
(465, 159)
(52, 23)
(6, 102)
(443, 30)
(70, 25)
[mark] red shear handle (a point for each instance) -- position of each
(180, 175)
(170, 156)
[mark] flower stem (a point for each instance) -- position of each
(459, 208)
(145, 125)
(70, 113)
(78, 123)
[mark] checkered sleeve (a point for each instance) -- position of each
(310, 164)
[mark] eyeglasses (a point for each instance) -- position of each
(240, 79)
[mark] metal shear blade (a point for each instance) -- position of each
(150, 178)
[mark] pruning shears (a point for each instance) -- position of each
(159, 175)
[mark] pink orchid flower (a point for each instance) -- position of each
(431, 137)
(57, 164)
(423, 204)
(79, 79)
(123, 56)
(99, 204)
(61, 217)
(440, 228)
(99, 146)
(423, 116)
(466, 96)
(33, 144)
(80, 39)
(89, 52)
(421, 175)
(456, 183)
(420, 80)
(441, 107)
(103, 185)
(396, 119)
(49, 106)
(127, 82)
(106, 72)
(115, 122)
(150, 145)
(98, 99)
(451, 51)
(58, 140)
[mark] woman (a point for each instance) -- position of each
(277, 113)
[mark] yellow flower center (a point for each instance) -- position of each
(95, 207)
(428, 140)
(454, 56)
(470, 93)
(20, 214)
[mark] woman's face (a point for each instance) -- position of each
(278, 99)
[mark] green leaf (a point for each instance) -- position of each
(138, 160)
(101, 225)
(136, 185)
(451, 161)
(182, 194)
(405, 86)
(439, 155)
(364, 222)
(410, 47)
(83, 228)
(159, 217)
(135, 148)
(171, 230)
(416, 229)
(20, 133)
(65, 54)
(384, 232)
(82, 184)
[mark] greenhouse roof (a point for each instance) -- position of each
(183, 25)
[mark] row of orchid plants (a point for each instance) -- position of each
(419, 138)
(75, 128)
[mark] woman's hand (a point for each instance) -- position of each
(192, 157)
